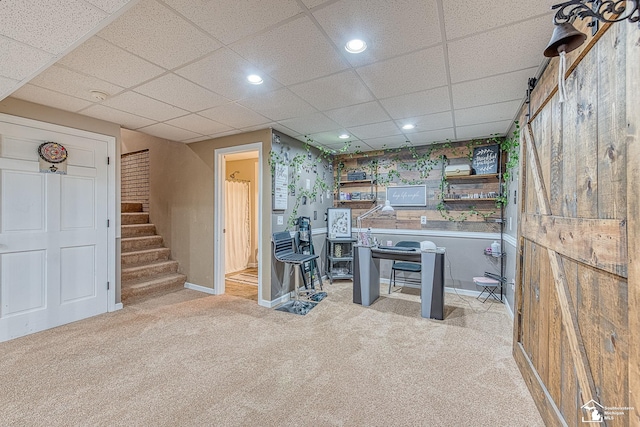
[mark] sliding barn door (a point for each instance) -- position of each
(575, 329)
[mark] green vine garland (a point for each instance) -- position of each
(423, 161)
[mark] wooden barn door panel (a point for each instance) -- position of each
(564, 328)
(577, 323)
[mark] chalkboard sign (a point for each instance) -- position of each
(485, 159)
(407, 195)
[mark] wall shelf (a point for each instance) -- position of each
(471, 200)
(485, 177)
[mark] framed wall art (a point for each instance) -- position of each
(339, 222)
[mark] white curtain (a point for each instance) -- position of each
(237, 238)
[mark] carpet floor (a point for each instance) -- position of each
(191, 359)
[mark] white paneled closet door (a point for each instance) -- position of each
(53, 232)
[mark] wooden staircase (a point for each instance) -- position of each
(146, 267)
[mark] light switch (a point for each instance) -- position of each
(280, 220)
(308, 184)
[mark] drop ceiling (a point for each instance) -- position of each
(177, 69)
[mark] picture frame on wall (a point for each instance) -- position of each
(339, 222)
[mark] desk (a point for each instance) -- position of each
(366, 277)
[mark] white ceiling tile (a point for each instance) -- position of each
(71, 83)
(487, 15)
(6, 86)
(162, 130)
(144, 106)
(225, 72)
(491, 90)
(66, 21)
(235, 115)
(98, 58)
(180, 92)
(487, 113)
(197, 139)
(503, 50)
(294, 52)
(428, 122)
(283, 129)
(278, 105)
(393, 141)
(312, 123)
(330, 139)
(109, 6)
(48, 97)
(223, 134)
(375, 130)
(199, 124)
(254, 128)
(418, 104)
(335, 91)
(406, 74)
(19, 60)
(357, 115)
(127, 120)
(483, 130)
(313, 3)
(429, 137)
(157, 34)
(229, 21)
(388, 27)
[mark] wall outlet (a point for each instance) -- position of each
(280, 220)
(423, 220)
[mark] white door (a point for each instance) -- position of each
(53, 232)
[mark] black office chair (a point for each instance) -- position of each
(413, 267)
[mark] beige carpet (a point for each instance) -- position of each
(192, 359)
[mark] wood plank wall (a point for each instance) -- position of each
(409, 217)
(576, 332)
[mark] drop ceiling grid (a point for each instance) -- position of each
(157, 34)
(309, 83)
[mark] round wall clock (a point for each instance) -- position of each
(52, 152)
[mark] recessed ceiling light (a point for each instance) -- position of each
(255, 79)
(408, 126)
(344, 136)
(98, 95)
(355, 46)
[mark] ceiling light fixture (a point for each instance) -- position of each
(355, 46)
(255, 79)
(98, 95)
(344, 136)
(408, 126)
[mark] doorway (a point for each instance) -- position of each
(238, 216)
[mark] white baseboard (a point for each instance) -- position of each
(199, 288)
(270, 304)
(509, 310)
(447, 289)
(118, 306)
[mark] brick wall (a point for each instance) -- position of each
(135, 178)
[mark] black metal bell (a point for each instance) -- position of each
(565, 37)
